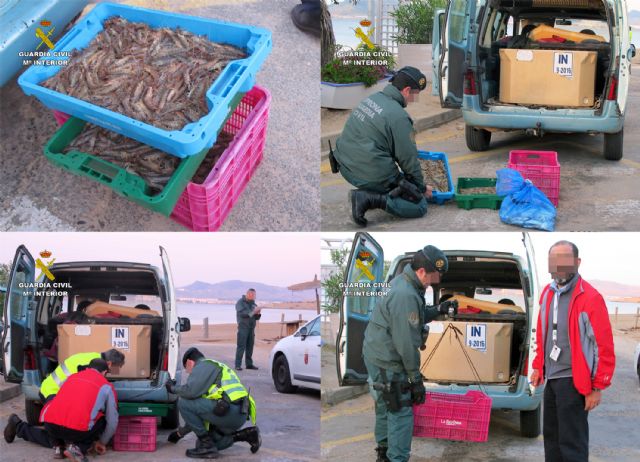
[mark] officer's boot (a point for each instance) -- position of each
(205, 449)
(382, 454)
(361, 201)
(251, 435)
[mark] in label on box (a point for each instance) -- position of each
(563, 64)
(120, 338)
(476, 337)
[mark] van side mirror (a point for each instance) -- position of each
(303, 333)
(633, 51)
(185, 324)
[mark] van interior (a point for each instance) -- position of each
(578, 25)
(122, 288)
(497, 281)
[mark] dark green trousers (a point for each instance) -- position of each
(195, 412)
(246, 337)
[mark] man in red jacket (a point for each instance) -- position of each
(574, 353)
(82, 414)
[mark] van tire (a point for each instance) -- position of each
(613, 145)
(478, 139)
(530, 425)
(282, 375)
(172, 419)
(32, 410)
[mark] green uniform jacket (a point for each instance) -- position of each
(394, 333)
(377, 139)
(202, 376)
(244, 312)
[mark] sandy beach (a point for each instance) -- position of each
(625, 325)
(266, 333)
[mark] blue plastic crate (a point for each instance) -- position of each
(439, 197)
(237, 77)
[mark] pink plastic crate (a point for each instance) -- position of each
(542, 168)
(204, 207)
(453, 417)
(136, 434)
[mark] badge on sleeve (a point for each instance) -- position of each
(414, 318)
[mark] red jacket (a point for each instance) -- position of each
(81, 401)
(592, 355)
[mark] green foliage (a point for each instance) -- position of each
(347, 68)
(5, 269)
(332, 290)
(415, 20)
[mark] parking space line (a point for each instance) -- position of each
(343, 441)
(630, 162)
(357, 410)
(287, 455)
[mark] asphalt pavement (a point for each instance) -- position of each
(35, 195)
(289, 423)
(595, 194)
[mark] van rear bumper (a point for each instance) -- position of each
(559, 120)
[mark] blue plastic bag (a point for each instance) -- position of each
(524, 204)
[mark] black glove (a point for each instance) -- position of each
(174, 437)
(444, 306)
(418, 392)
(169, 385)
(407, 191)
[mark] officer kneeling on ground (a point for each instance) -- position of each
(377, 152)
(395, 333)
(214, 405)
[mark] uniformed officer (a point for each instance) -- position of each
(391, 342)
(247, 313)
(377, 153)
(214, 405)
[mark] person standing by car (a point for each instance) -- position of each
(391, 342)
(84, 413)
(214, 405)
(377, 153)
(575, 355)
(247, 313)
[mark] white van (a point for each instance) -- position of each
(31, 327)
(482, 274)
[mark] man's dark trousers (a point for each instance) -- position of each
(246, 336)
(566, 428)
(55, 435)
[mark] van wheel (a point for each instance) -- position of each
(282, 375)
(478, 139)
(32, 410)
(530, 422)
(172, 419)
(613, 145)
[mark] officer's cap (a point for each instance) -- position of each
(435, 259)
(193, 354)
(411, 77)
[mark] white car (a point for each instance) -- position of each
(295, 360)
(636, 362)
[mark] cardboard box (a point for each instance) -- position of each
(133, 341)
(488, 345)
(548, 77)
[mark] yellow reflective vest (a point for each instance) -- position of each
(51, 385)
(230, 386)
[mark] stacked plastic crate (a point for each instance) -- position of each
(236, 106)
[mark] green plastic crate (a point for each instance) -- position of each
(477, 201)
(150, 409)
(117, 178)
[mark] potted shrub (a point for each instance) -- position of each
(353, 75)
(414, 19)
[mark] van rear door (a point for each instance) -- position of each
(626, 54)
(17, 302)
(533, 297)
(171, 316)
(365, 268)
(454, 59)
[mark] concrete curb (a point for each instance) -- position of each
(421, 124)
(333, 396)
(8, 391)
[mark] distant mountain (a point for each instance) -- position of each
(634, 17)
(614, 289)
(233, 290)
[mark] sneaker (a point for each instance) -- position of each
(12, 428)
(252, 367)
(74, 453)
(58, 452)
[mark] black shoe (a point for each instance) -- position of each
(12, 428)
(238, 368)
(361, 201)
(252, 367)
(382, 454)
(250, 435)
(205, 449)
(306, 17)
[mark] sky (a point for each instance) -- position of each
(605, 256)
(279, 259)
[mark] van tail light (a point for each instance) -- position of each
(525, 369)
(29, 359)
(165, 361)
(613, 89)
(470, 83)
